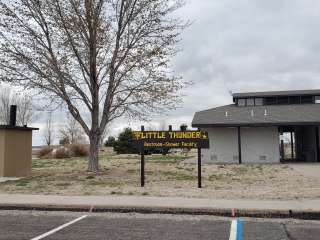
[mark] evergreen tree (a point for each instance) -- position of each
(124, 143)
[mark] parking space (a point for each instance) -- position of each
(27, 226)
(77, 226)
(125, 229)
(264, 231)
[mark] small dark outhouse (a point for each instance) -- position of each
(15, 148)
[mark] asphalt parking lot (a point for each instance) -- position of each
(64, 225)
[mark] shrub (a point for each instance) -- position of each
(72, 150)
(62, 153)
(64, 141)
(44, 152)
(110, 142)
(78, 150)
(124, 143)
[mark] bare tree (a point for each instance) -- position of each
(72, 131)
(25, 107)
(26, 110)
(103, 136)
(108, 57)
(48, 133)
(5, 102)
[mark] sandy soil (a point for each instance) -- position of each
(165, 176)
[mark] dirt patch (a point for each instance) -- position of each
(170, 175)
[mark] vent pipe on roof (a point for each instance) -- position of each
(252, 113)
(226, 113)
(265, 112)
(13, 115)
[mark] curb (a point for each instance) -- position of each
(304, 215)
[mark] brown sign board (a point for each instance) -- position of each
(171, 139)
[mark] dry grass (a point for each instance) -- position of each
(165, 176)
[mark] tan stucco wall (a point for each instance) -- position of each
(223, 146)
(15, 152)
(258, 144)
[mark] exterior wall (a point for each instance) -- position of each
(258, 145)
(16, 146)
(223, 146)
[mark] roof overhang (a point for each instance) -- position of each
(257, 124)
(18, 128)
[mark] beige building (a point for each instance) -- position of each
(15, 148)
(15, 151)
(257, 127)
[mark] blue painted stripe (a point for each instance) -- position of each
(239, 230)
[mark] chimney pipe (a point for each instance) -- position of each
(13, 115)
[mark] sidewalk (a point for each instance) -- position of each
(274, 208)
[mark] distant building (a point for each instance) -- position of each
(263, 127)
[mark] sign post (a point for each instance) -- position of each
(170, 139)
(142, 160)
(199, 167)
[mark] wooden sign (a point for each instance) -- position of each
(171, 139)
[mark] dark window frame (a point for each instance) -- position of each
(307, 99)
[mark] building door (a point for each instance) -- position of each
(287, 139)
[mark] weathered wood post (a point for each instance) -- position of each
(199, 165)
(142, 160)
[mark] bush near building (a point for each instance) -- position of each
(110, 142)
(67, 151)
(44, 152)
(124, 144)
(64, 141)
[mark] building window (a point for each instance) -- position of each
(306, 99)
(250, 102)
(283, 100)
(241, 102)
(317, 99)
(258, 101)
(294, 100)
(271, 100)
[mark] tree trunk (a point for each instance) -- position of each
(93, 165)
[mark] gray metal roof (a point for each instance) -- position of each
(17, 127)
(277, 93)
(276, 115)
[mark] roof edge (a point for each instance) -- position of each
(256, 124)
(305, 92)
(17, 127)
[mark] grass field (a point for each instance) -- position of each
(165, 176)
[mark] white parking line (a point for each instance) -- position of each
(233, 230)
(59, 228)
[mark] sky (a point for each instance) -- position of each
(236, 46)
